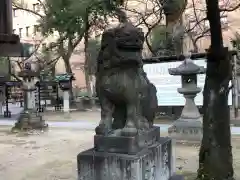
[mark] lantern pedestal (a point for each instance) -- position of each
(29, 120)
(66, 102)
(1, 100)
(189, 125)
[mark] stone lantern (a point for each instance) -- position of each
(30, 117)
(4, 90)
(65, 84)
(189, 125)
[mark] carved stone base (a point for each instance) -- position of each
(154, 162)
(30, 120)
(127, 145)
(186, 129)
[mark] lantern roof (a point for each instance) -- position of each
(188, 67)
(64, 77)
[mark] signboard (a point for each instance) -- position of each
(167, 84)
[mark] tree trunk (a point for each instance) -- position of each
(194, 43)
(88, 81)
(67, 66)
(69, 71)
(86, 64)
(195, 46)
(215, 156)
(88, 78)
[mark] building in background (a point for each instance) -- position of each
(26, 26)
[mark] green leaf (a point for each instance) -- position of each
(69, 16)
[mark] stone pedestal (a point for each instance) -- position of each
(33, 97)
(29, 120)
(189, 126)
(132, 145)
(66, 103)
(153, 162)
(186, 130)
(2, 99)
(30, 99)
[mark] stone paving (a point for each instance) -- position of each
(52, 155)
(85, 120)
(42, 156)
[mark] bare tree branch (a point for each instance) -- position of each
(231, 9)
(42, 5)
(20, 6)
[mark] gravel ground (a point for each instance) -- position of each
(52, 155)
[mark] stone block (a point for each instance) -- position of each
(7, 114)
(177, 177)
(154, 162)
(29, 121)
(186, 130)
(12, 50)
(132, 145)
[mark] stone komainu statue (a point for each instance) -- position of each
(127, 98)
